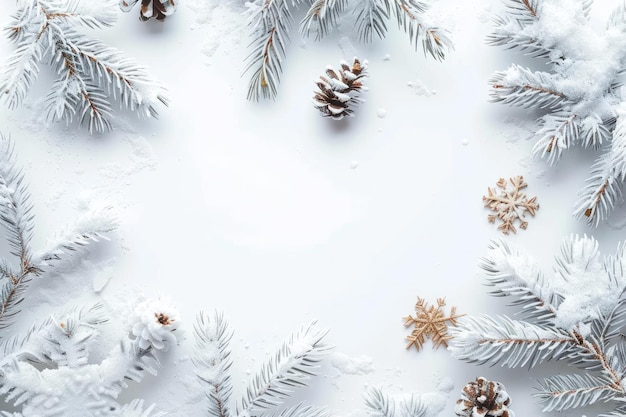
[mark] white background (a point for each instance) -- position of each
(276, 216)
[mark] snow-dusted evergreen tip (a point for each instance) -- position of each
(575, 316)
(579, 95)
(271, 20)
(295, 362)
(19, 267)
(68, 384)
(90, 76)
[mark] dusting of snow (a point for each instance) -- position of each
(354, 164)
(381, 113)
(465, 142)
(420, 88)
(344, 364)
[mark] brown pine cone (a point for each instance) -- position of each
(158, 9)
(483, 398)
(340, 90)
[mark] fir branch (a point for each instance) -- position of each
(524, 11)
(380, 404)
(562, 392)
(511, 343)
(90, 74)
(509, 33)
(601, 193)
(292, 365)
(435, 40)
(576, 115)
(321, 17)
(519, 86)
(585, 331)
(16, 217)
(372, 17)
(212, 361)
(526, 286)
(270, 23)
(92, 227)
(559, 132)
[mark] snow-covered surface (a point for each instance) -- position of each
(277, 216)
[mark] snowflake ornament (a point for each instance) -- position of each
(509, 204)
(47, 373)
(430, 321)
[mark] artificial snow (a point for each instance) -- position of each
(348, 365)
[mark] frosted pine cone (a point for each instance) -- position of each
(159, 9)
(154, 323)
(483, 398)
(340, 90)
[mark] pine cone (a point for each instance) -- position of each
(340, 90)
(159, 9)
(483, 398)
(154, 324)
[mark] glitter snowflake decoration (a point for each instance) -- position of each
(430, 321)
(510, 204)
(47, 373)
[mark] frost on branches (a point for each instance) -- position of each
(89, 75)
(579, 95)
(22, 264)
(48, 373)
(575, 316)
(270, 22)
(291, 366)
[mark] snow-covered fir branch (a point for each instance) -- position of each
(21, 265)
(575, 316)
(580, 94)
(48, 372)
(295, 362)
(270, 22)
(90, 75)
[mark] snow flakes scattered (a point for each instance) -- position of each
(510, 204)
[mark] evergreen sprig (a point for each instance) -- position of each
(270, 22)
(573, 115)
(91, 75)
(295, 362)
(17, 219)
(576, 317)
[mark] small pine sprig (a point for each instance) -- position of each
(295, 362)
(575, 317)
(90, 75)
(579, 95)
(158, 9)
(270, 22)
(339, 91)
(379, 403)
(16, 217)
